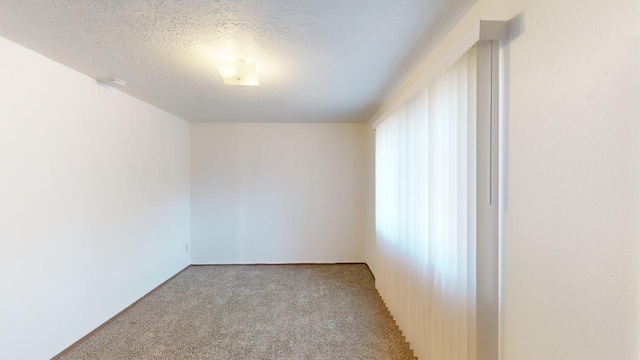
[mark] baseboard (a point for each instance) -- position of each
(303, 263)
(72, 346)
(287, 263)
(371, 271)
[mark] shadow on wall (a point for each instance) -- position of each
(515, 28)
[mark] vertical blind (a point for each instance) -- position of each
(425, 215)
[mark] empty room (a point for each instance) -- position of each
(282, 179)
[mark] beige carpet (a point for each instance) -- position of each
(254, 312)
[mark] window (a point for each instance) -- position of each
(436, 210)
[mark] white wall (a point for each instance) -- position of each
(571, 177)
(277, 193)
(370, 199)
(571, 241)
(94, 202)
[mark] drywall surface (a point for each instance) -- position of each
(277, 193)
(94, 202)
(369, 184)
(570, 172)
(571, 243)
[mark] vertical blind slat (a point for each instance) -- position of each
(425, 215)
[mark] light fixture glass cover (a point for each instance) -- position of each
(238, 72)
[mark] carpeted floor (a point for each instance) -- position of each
(254, 312)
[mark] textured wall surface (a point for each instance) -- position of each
(318, 61)
(277, 193)
(570, 181)
(94, 202)
(571, 255)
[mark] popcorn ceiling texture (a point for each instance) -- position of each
(255, 312)
(318, 61)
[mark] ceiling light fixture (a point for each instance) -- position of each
(238, 72)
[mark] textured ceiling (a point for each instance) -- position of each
(317, 60)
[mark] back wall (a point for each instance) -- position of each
(277, 193)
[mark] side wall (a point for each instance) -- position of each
(570, 173)
(94, 202)
(277, 193)
(571, 181)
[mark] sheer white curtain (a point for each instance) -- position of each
(425, 215)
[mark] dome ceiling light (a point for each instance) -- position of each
(238, 72)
